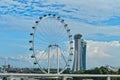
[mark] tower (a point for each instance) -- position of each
(80, 53)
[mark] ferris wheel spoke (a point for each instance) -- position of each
(41, 39)
(41, 42)
(63, 37)
(64, 57)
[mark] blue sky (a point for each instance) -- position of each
(97, 20)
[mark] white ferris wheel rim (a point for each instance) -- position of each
(68, 34)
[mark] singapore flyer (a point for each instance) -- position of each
(51, 44)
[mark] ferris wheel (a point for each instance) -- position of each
(51, 44)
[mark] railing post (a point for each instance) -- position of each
(108, 78)
(64, 78)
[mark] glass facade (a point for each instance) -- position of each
(79, 54)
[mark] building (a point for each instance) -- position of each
(79, 54)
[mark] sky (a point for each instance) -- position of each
(97, 20)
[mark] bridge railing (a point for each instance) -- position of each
(64, 76)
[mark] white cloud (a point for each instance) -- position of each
(88, 10)
(102, 49)
(25, 23)
(90, 30)
(92, 10)
(8, 2)
(100, 53)
(16, 22)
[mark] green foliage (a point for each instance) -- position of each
(79, 72)
(100, 70)
(67, 71)
(119, 71)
